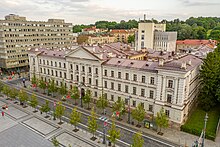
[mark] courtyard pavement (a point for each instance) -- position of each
(21, 127)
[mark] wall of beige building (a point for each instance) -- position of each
(152, 92)
(17, 35)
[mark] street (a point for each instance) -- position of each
(126, 133)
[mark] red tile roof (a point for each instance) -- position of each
(195, 42)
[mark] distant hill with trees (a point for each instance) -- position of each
(192, 28)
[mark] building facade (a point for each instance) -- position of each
(100, 39)
(17, 35)
(121, 35)
(171, 83)
(154, 36)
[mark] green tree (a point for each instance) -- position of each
(102, 103)
(42, 85)
(87, 97)
(131, 38)
(75, 117)
(209, 75)
(113, 133)
(162, 119)
(119, 106)
(82, 39)
(1, 86)
(63, 89)
(138, 114)
(215, 35)
(6, 91)
(45, 108)
(59, 111)
(138, 140)
(34, 81)
(13, 93)
(75, 93)
(52, 87)
(92, 122)
(33, 101)
(23, 97)
(55, 142)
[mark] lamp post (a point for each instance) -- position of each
(54, 105)
(129, 109)
(24, 82)
(105, 120)
(203, 139)
(80, 87)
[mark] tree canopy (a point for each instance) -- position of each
(162, 119)
(210, 77)
(138, 140)
(92, 122)
(113, 133)
(192, 28)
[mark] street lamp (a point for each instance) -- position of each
(129, 109)
(80, 87)
(203, 139)
(105, 120)
(24, 82)
(54, 105)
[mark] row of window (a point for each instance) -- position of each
(83, 69)
(52, 73)
(135, 77)
(51, 63)
(133, 103)
(126, 89)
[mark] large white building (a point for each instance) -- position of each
(154, 36)
(171, 83)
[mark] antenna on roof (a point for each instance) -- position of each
(144, 17)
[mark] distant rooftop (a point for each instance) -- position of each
(196, 42)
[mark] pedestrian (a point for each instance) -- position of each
(3, 113)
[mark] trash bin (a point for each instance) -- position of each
(109, 143)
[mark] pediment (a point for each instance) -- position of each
(82, 53)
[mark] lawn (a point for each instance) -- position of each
(195, 123)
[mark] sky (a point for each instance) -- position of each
(90, 11)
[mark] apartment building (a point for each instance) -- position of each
(18, 34)
(100, 39)
(171, 81)
(121, 35)
(154, 36)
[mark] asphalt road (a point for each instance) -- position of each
(126, 133)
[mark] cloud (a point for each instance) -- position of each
(90, 11)
(198, 3)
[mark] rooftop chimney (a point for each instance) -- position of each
(183, 66)
(190, 62)
(161, 62)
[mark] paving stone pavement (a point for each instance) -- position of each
(6, 123)
(40, 126)
(20, 136)
(27, 127)
(67, 139)
(15, 113)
